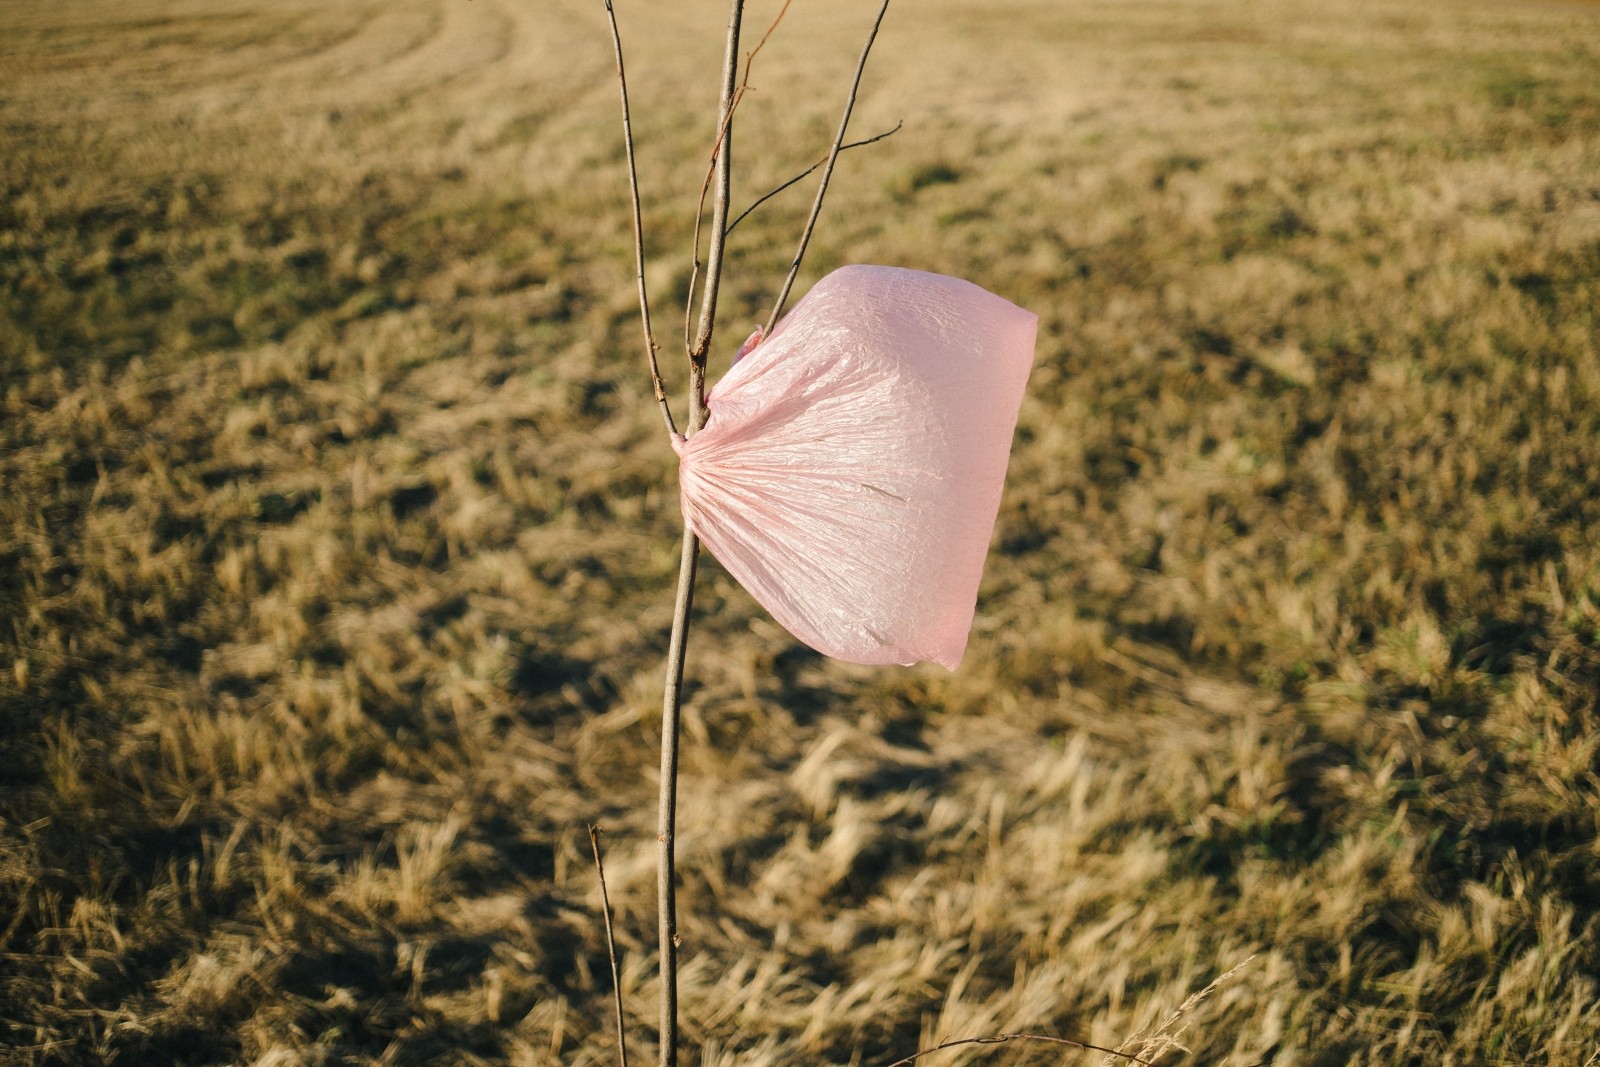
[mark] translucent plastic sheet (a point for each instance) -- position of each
(850, 471)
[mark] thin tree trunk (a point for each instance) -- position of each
(672, 698)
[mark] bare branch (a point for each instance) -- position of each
(798, 177)
(650, 347)
(827, 173)
(1000, 1039)
(611, 947)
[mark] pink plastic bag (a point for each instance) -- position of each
(850, 471)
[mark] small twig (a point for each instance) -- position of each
(801, 176)
(1000, 1039)
(611, 946)
(827, 174)
(750, 59)
(638, 230)
(705, 186)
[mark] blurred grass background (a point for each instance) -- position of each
(337, 535)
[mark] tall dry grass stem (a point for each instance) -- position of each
(1165, 1037)
(611, 947)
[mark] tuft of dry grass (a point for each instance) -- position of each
(336, 540)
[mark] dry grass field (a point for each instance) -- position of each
(338, 533)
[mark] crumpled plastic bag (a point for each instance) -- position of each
(850, 470)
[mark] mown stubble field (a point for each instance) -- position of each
(337, 536)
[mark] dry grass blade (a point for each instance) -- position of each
(1164, 1039)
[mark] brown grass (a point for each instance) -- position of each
(337, 534)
